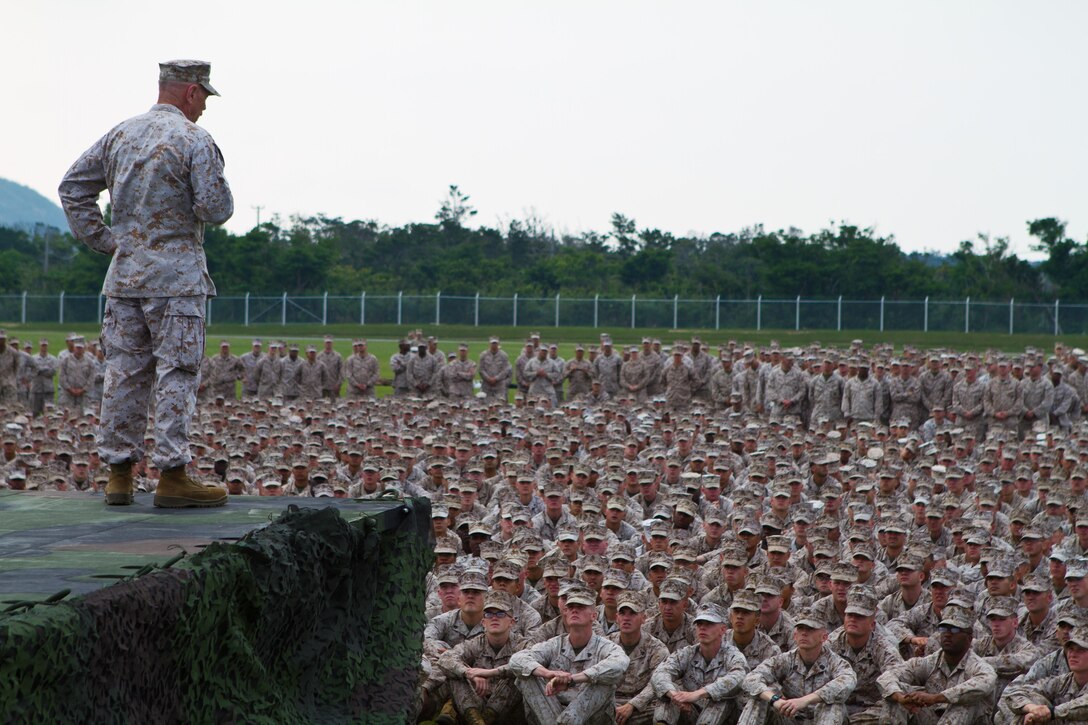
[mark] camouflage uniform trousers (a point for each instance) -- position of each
(584, 704)
(502, 697)
(704, 711)
(895, 714)
(758, 712)
(152, 342)
(8, 395)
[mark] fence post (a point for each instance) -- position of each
(925, 315)
(759, 312)
(1055, 315)
(362, 308)
(400, 305)
(246, 311)
(967, 315)
(1010, 313)
(23, 316)
(61, 306)
(325, 308)
(675, 304)
(476, 312)
(838, 317)
(718, 312)
(99, 316)
(515, 309)
(438, 308)
(557, 309)
(596, 298)
(632, 312)
(797, 314)
(882, 313)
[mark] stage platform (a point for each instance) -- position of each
(267, 610)
(51, 542)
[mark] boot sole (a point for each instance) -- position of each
(178, 502)
(119, 499)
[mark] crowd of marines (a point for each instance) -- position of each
(661, 534)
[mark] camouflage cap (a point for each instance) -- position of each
(473, 580)
(844, 573)
(592, 562)
(746, 600)
(944, 576)
(617, 578)
(581, 595)
(506, 569)
(711, 613)
(957, 616)
(1079, 636)
(861, 600)
(659, 559)
(673, 588)
(449, 544)
(1002, 607)
(1037, 583)
(448, 575)
(622, 550)
(810, 617)
(556, 567)
(499, 600)
(634, 601)
(734, 555)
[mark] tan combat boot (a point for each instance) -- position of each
(447, 715)
(177, 491)
(119, 489)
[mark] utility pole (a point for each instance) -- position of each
(258, 208)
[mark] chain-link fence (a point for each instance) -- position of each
(967, 315)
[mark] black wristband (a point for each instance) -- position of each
(776, 698)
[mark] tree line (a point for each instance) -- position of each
(311, 255)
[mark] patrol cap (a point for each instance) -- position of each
(810, 617)
(593, 562)
(944, 576)
(767, 584)
(734, 555)
(746, 600)
(473, 580)
(779, 544)
(557, 568)
(616, 578)
(499, 600)
(581, 595)
(844, 573)
(632, 600)
(1079, 636)
(861, 600)
(673, 588)
(710, 613)
(1037, 583)
(957, 616)
(188, 71)
(448, 575)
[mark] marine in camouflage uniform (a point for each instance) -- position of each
(312, 377)
(1003, 401)
(334, 364)
(9, 371)
(721, 384)
(422, 371)
(936, 387)
(157, 283)
(906, 394)
(967, 686)
(461, 372)
(788, 676)
(361, 371)
(1038, 395)
(44, 367)
(785, 390)
(678, 381)
(289, 368)
(635, 690)
(863, 399)
(250, 362)
(589, 673)
(702, 366)
(398, 362)
(634, 377)
(495, 371)
(76, 379)
(501, 702)
(606, 368)
(579, 373)
(878, 654)
(968, 396)
(825, 393)
(542, 374)
(225, 371)
(689, 671)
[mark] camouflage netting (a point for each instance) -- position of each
(311, 619)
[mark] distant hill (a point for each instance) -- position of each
(22, 208)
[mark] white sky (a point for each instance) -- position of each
(931, 120)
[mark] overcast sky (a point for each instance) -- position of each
(932, 121)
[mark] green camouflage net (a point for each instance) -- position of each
(311, 619)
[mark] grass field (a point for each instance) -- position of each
(382, 338)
